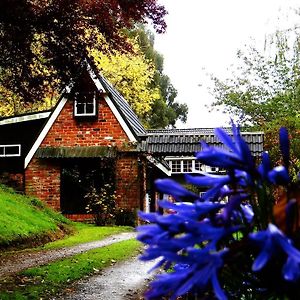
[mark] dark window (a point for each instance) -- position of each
(85, 104)
(10, 150)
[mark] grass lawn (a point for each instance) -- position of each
(45, 281)
(86, 233)
(26, 218)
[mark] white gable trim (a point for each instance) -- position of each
(111, 105)
(31, 117)
(47, 127)
(120, 119)
(159, 165)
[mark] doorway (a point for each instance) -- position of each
(78, 176)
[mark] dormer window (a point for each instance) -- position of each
(85, 105)
(10, 150)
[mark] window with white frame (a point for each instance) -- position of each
(180, 165)
(85, 105)
(10, 150)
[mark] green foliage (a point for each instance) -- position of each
(165, 111)
(45, 281)
(25, 218)
(102, 204)
(262, 87)
(264, 91)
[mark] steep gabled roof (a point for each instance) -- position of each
(186, 141)
(119, 106)
(122, 106)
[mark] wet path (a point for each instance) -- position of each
(21, 261)
(124, 281)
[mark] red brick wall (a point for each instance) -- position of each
(43, 176)
(69, 132)
(129, 182)
(42, 179)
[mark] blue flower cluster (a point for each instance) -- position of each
(194, 243)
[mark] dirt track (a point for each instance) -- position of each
(124, 281)
(12, 264)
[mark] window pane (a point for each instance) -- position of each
(11, 150)
(80, 108)
(89, 108)
(197, 165)
(176, 166)
(187, 166)
(1, 151)
(85, 104)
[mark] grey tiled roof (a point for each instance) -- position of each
(186, 141)
(124, 108)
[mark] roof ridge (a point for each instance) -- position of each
(193, 131)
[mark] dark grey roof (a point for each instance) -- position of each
(27, 116)
(24, 133)
(186, 141)
(124, 108)
(75, 152)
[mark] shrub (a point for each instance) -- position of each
(102, 205)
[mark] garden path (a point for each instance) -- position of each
(125, 280)
(13, 264)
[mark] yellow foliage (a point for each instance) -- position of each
(131, 74)
(11, 104)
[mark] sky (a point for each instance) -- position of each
(203, 37)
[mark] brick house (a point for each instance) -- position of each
(92, 137)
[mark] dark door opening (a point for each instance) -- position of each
(78, 177)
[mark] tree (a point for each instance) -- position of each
(132, 75)
(264, 92)
(60, 27)
(165, 110)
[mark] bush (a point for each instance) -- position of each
(102, 205)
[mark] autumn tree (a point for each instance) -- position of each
(132, 75)
(59, 26)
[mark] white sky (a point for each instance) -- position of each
(203, 37)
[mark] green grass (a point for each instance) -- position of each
(86, 233)
(45, 281)
(25, 217)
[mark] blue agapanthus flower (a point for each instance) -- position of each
(272, 241)
(195, 270)
(236, 156)
(202, 236)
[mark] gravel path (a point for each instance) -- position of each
(124, 281)
(21, 261)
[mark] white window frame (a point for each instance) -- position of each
(85, 114)
(193, 160)
(4, 147)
